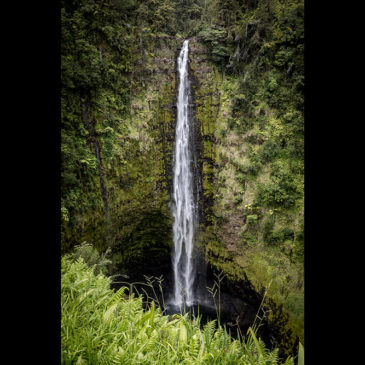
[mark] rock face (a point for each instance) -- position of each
(206, 100)
(137, 181)
(144, 231)
(225, 206)
(137, 165)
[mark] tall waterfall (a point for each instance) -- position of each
(183, 197)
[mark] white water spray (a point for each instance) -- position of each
(183, 207)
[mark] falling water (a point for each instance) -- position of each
(183, 198)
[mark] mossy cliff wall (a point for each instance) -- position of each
(206, 106)
(136, 156)
(118, 112)
(239, 234)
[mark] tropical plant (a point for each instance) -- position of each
(100, 326)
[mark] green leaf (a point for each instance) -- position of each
(183, 334)
(144, 318)
(109, 313)
(81, 361)
(301, 354)
(257, 344)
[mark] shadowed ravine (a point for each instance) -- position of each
(238, 304)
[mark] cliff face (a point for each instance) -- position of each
(242, 235)
(118, 120)
(137, 164)
(136, 155)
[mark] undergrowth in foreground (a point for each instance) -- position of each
(100, 326)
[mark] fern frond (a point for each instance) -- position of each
(118, 296)
(209, 332)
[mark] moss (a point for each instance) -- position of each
(234, 159)
(136, 148)
(235, 163)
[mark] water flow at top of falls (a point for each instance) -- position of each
(183, 197)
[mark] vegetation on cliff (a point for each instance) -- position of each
(118, 114)
(118, 85)
(254, 143)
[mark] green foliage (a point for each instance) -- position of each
(267, 229)
(106, 49)
(95, 63)
(249, 239)
(281, 190)
(272, 195)
(214, 38)
(268, 151)
(91, 257)
(99, 326)
(295, 304)
(251, 219)
(301, 354)
(187, 15)
(109, 51)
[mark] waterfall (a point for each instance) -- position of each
(183, 198)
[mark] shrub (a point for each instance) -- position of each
(91, 257)
(238, 199)
(268, 151)
(281, 191)
(267, 229)
(215, 39)
(223, 133)
(251, 219)
(272, 195)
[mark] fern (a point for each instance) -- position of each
(99, 326)
(194, 346)
(118, 296)
(209, 332)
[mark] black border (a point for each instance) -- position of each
(32, 106)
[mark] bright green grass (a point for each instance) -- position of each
(99, 326)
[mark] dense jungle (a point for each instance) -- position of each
(119, 91)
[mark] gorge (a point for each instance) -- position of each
(138, 78)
